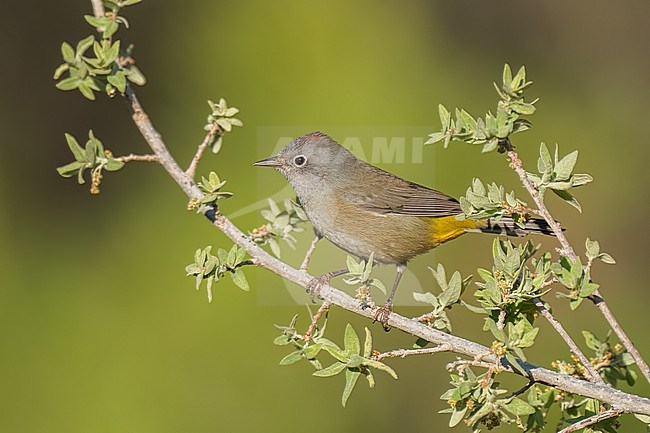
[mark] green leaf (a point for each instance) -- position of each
(351, 378)
(68, 52)
(643, 418)
(452, 294)
(498, 333)
(426, 298)
(332, 370)
(113, 165)
(380, 366)
(352, 265)
(69, 83)
(60, 70)
(351, 340)
(223, 256)
(70, 170)
(592, 248)
(545, 163)
(469, 121)
(457, 416)
(281, 340)
(110, 29)
(445, 117)
(606, 258)
(355, 361)
(275, 248)
(113, 52)
(507, 76)
(85, 90)
(575, 303)
(135, 76)
(435, 137)
(84, 44)
(439, 273)
(580, 179)
(528, 339)
(95, 21)
(239, 279)
(77, 150)
(291, 358)
(232, 255)
(490, 145)
(367, 345)
(473, 308)
(592, 342)
(519, 407)
(118, 80)
(564, 167)
(587, 289)
(566, 196)
(523, 108)
(336, 352)
(241, 254)
(515, 364)
(310, 352)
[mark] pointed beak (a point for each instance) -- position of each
(268, 162)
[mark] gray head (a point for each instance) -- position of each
(310, 160)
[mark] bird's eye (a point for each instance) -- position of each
(300, 160)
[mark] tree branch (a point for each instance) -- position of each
(567, 250)
(403, 353)
(134, 157)
(191, 170)
(310, 251)
(98, 8)
(314, 321)
(611, 413)
(595, 377)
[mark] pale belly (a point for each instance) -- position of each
(393, 239)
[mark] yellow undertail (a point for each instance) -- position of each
(447, 228)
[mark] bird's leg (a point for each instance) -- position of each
(316, 284)
(310, 251)
(383, 312)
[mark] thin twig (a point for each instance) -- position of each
(403, 353)
(309, 252)
(611, 413)
(593, 374)
(567, 250)
(501, 323)
(134, 157)
(314, 321)
(191, 170)
(98, 8)
(521, 390)
(454, 365)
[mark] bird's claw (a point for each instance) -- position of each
(382, 314)
(316, 285)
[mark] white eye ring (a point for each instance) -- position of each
(300, 160)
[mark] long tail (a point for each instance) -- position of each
(506, 226)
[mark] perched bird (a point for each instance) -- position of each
(363, 209)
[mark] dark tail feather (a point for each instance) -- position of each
(506, 226)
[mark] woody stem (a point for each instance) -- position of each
(567, 251)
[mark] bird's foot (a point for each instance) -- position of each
(316, 285)
(382, 314)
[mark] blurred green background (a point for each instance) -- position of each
(100, 329)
